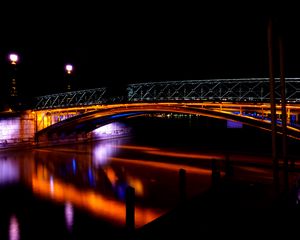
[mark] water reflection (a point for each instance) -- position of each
(69, 215)
(103, 151)
(9, 171)
(93, 177)
(96, 202)
(14, 231)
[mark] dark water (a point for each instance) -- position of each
(78, 191)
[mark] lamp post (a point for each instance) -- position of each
(69, 69)
(13, 94)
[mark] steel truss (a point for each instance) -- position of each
(247, 89)
(236, 90)
(71, 99)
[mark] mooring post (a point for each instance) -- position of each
(215, 172)
(182, 185)
(130, 204)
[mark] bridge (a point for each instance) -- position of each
(244, 100)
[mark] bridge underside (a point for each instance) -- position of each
(82, 124)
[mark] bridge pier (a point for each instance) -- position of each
(16, 129)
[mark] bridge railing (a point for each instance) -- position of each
(72, 98)
(237, 90)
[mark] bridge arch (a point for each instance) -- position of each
(84, 123)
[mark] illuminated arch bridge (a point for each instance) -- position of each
(243, 100)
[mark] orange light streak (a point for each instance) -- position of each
(92, 201)
(137, 148)
(168, 166)
(186, 155)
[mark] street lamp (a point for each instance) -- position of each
(13, 58)
(69, 69)
(11, 98)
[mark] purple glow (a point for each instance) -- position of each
(103, 152)
(9, 171)
(51, 185)
(14, 232)
(69, 215)
(110, 130)
(233, 124)
(9, 129)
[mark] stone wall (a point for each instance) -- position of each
(16, 129)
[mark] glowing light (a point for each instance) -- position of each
(69, 215)
(168, 166)
(233, 124)
(9, 129)
(136, 184)
(186, 155)
(9, 171)
(51, 185)
(103, 151)
(109, 130)
(138, 148)
(14, 231)
(69, 68)
(94, 202)
(13, 58)
(74, 165)
(111, 175)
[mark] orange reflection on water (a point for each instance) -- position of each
(137, 148)
(92, 201)
(136, 184)
(111, 175)
(168, 166)
(186, 155)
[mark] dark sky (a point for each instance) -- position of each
(134, 42)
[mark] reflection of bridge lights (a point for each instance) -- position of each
(9, 171)
(121, 191)
(14, 231)
(233, 124)
(102, 153)
(136, 184)
(111, 175)
(51, 185)
(94, 202)
(74, 165)
(91, 177)
(69, 215)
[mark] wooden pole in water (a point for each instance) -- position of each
(283, 114)
(272, 104)
(182, 185)
(130, 202)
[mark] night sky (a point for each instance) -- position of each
(134, 42)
